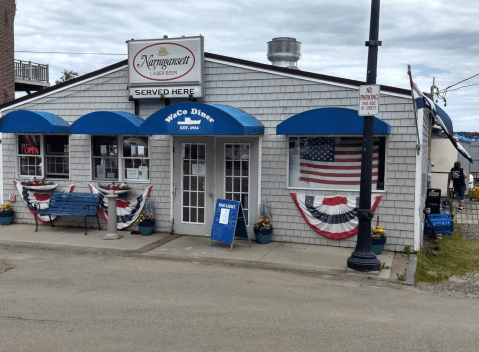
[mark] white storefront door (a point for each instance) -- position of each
(193, 184)
(209, 168)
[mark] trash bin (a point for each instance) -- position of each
(442, 224)
(433, 200)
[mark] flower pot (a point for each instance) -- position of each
(146, 227)
(6, 218)
(378, 244)
(263, 236)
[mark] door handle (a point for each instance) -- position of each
(210, 195)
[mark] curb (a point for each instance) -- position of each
(411, 269)
(247, 264)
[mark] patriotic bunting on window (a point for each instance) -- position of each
(41, 198)
(332, 217)
(127, 211)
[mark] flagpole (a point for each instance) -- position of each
(363, 258)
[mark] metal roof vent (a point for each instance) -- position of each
(284, 52)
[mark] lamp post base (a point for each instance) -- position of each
(364, 262)
(112, 236)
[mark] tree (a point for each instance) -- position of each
(66, 76)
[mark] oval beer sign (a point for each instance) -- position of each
(164, 61)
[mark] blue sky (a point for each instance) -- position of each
(437, 37)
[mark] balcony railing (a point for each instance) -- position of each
(30, 71)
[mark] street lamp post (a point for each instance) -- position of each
(363, 257)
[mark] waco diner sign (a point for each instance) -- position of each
(166, 68)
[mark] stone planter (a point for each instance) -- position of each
(6, 218)
(263, 236)
(146, 227)
(378, 244)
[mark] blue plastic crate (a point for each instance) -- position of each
(442, 224)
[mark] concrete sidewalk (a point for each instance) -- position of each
(274, 254)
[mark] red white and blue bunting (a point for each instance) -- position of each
(127, 211)
(332, 217)
(39, 196)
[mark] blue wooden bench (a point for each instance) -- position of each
(70, 204)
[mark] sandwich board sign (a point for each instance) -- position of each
(228, 222)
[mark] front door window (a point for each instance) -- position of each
(237, 159)
(193, 182)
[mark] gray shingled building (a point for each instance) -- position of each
(189, 172)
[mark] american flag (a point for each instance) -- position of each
(335, 161)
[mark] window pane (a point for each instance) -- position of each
(194, 199)
(201, 199)
(186, 198)
(237, 168)
(186, 183)
(186, 214)
(236, 184)
(229, 184)
(193, 215)
(105, 146)
(201, 215)
(136, 169)
(29, 144)
(56, 156)
(318, 162)
(229, 168)
(194, 183)
(244, 168)
(135, 147)
(186, 167)
(201, 151)
(244, 184)
(31, 166)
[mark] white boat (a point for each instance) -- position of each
(189, 121)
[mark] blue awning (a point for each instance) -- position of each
(107, 123)
(24, 121)
(329, 121)
(201, 119)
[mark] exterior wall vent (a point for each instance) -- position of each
(284, 52)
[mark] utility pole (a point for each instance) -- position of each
(363, 258)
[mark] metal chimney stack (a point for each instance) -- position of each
(284, 52)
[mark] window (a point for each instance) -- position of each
(56, 156)
(333, 162)
(236, 161)
(194, 182)
(105, 157)
(110, 154)
(35, 151)
(135, 156)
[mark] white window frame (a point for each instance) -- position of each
(355, 190)
(42, 156)
(121, 162)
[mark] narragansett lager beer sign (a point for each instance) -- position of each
(166, 68)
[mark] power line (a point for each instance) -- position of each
(475, 84)
(59, 52)
(444, 90)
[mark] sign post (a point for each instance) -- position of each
(228, 222)
(363, 258)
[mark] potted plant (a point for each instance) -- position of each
(263, 228)
(6, 214)
(146, 223)
(118, 188)
(378, 239)
(39, 184)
